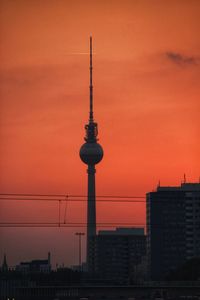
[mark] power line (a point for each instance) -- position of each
(53, 226)
(76, 225)
(61, 224)
(106, 199)
(65, 212)
(73, 223)
(70, 196)
(61, 198)
(70, 200)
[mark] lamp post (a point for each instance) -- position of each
(80, 234)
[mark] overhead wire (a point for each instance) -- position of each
(66, 206)
(66, 195)
(74, 225)
(70, 200)
(65, 198)
(76, 198)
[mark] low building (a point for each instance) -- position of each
(35, 266)
(119, 253)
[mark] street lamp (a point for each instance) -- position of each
(80, 234)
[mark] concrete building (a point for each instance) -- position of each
(119, 254)
(173, 228)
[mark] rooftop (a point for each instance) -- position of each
(123, 231)
(183, 187)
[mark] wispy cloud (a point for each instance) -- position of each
(181, 59)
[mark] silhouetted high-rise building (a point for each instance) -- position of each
(173, 228)
(119, 254)
(91, 153)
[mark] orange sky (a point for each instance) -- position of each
(146, 100)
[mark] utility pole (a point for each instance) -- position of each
(80, 234)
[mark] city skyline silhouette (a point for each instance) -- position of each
(146, 103)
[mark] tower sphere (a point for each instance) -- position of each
(91, 153)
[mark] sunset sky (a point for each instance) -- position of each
(146, 102)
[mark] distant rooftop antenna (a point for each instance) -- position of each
(158, 183)
(184, 178)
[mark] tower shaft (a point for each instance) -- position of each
(91, 216)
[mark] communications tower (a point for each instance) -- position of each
(91, 153)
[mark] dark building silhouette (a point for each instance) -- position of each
(4, 267)
(119, 254)
(35, 266)
(91, 153)
(173, 228)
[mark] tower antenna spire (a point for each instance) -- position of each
(91, 86)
